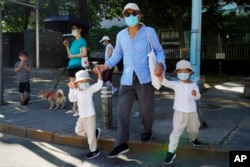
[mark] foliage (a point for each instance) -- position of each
(165, 14)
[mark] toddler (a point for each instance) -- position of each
(185, 108)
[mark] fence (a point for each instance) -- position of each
(237, 51)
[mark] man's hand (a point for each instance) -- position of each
(158, 69)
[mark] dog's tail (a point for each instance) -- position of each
(59, 93)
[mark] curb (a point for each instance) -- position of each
(204, 152)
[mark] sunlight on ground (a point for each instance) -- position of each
(56, 152)
(2, 116)
(232, 87)
(125, 158)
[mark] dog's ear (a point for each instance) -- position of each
(58, 94)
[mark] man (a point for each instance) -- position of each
(132, 44)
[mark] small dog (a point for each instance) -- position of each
(55, 98)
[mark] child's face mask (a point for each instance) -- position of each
(183, 76)
(84, 85)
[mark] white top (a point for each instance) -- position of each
(184, 101)
(84, 99)
(106, 51)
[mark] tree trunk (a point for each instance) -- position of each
(179, 26)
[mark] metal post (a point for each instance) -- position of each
(1, 60)
(195, 43)
(106, 96)
(195, 49)
(37, 34)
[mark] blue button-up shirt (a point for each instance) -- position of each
(134, 53)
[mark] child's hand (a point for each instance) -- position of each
(193, 92)
(71, 85)
(21, 65)
(96, 70)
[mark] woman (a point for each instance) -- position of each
(76, 51)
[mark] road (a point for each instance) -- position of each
(23, 152)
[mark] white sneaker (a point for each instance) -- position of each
(76, 114)
(137, 114)
(113, 90)
(70, 112)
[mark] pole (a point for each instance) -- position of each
(1, 60)
(106, 99)
(195, 43)
(37, 35)
(195, 50)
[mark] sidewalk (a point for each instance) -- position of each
(224, 109)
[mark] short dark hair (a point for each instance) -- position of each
(23, 52)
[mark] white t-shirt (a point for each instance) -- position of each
(106, 51)
(184, 101)
(84, 99)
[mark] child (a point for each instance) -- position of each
(82, 92)
(22, 70)
(185, 109)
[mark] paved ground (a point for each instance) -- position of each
(223, 108)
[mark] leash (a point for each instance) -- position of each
(60, 78)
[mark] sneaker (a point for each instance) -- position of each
(169, 158)
(70, 112)
(203, 125)
(76, 114)
(26, 101)
(121, 149)
(146, 137)
(136, 114)
(97, 133)
(195, 142)
(113, 90)
(92, 155)
(23, 103)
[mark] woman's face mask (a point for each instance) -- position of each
(74, 33)
(84, 86)
(131, 20)
(183, 76)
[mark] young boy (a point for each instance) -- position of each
(185, 109)
(22, 70)
(82, 92)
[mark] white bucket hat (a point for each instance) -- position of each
(131, 6)
(105, 38)
(183, 64)
(82, 75)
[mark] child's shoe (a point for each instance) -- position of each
(23, 103)
(195, 142)
(26, 101)
(92, 155)
(169, 158)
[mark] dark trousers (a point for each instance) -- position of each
(146, 100)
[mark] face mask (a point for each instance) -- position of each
(74, 32)
(183, 76)
(131, 21)
(104, 44)
(84, 85)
